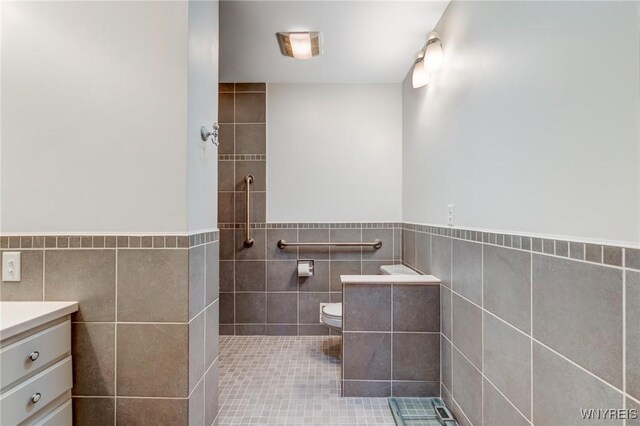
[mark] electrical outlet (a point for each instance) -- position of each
(11, 266)
(450, 214)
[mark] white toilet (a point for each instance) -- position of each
(331, 313)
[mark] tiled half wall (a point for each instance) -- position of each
(391, 340)
(145, 340)
(532, 330)
(260, 290)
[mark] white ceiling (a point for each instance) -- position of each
(363, 41)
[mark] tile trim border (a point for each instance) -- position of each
(107, 241)
(242, 157)
(596, 252)
(315, 225)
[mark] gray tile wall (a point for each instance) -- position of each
(145, 340)
(242, 150)
(391, 340)
(532, 330)
(261, 293)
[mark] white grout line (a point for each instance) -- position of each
(482, 379)
(531, 333)
(458, 406)
(624, 335)
(415, 251)
(543, 345)
(482, 330)
(451, 307)
(505, 397)
(342, 345)
(632, 398)
(204, 338)
(234, 212)
(482, 376)
(95, 396)
(382, 380)
(115, 343)
(133, 397)
(44, 262)
(196, 385)
(465, 357)
(391, 349)
(186, 323)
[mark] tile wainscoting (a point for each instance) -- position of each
(145, 340)
(532, 330)
(260, 292)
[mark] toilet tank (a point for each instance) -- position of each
(396, 270)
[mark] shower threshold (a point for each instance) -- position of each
(421, 411)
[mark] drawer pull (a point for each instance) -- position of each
(34, 355)
(36, 397)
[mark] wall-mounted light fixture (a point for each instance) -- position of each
(420, 77)
(429, 60)
(299, 45)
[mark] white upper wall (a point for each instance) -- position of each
(363, 41)
(533, 123)
(203, 110)
(95, 108)
(334, 152)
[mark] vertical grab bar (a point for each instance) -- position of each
(248, 241)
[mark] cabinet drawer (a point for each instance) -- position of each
(46, 346)
(17, 403)
(61, 416)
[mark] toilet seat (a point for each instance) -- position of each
(332, 315)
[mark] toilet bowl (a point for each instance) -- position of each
(331, 316)
(331, 313)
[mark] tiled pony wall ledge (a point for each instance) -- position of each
(532, 330)
(145, 340)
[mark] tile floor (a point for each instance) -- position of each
(289, 380)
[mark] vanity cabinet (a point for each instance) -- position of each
(36, 374)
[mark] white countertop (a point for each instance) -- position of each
(389, 279)
(18, 317)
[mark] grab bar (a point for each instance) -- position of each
(376, 244)
(248, 241)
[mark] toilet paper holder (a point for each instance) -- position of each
(305, 268)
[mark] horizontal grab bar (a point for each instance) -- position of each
(376, 244)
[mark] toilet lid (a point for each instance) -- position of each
(333, 310)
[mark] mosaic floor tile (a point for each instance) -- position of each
(289, 380)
